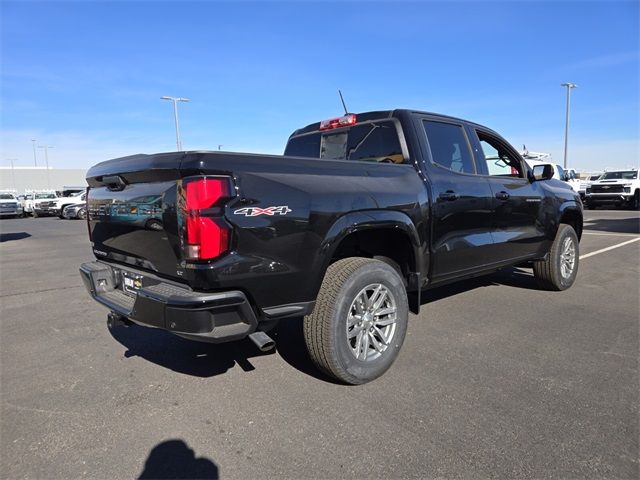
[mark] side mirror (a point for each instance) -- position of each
(542, 172)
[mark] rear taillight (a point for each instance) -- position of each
(206, 235)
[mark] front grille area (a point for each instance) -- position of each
(607, 188)
(8, 206)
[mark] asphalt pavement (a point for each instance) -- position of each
(496, 379)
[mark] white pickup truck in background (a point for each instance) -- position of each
(31, 199)
(56, 206)
(618, 187)
(10, 206)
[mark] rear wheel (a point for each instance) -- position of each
(559, 270)
(635, 203)
(82, 214)
(359, 321)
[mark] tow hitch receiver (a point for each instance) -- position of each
(116, 320)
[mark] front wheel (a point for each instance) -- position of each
(559, 270)
(359, 321)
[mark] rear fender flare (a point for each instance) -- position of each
(367, 220)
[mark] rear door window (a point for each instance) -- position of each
(449, 146)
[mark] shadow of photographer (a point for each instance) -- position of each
(174, 459)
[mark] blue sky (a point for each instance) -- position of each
(86, 77)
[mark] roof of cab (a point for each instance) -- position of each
(383, 114)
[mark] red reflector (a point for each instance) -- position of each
(344, 121)
(205, 238)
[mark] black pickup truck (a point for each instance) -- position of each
(346, 229)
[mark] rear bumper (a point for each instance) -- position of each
(208, 317)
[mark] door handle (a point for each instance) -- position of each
(449, 195)
(502, 196)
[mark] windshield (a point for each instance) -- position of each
(628, 175)
(45, 195)
(369, 141)
(6, 196)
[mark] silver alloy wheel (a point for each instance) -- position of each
(567, 257)
(371, 322)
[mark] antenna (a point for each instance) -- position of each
(346, 112)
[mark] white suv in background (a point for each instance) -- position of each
(620, 187)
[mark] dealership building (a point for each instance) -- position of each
(22, 179)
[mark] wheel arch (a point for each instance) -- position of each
(571, 214)
(383, 234)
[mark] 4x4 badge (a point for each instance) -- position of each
(255, 211)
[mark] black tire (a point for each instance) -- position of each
(326, 330)
(635, 203)
(549, 272)
(60, 215)
(82, 214)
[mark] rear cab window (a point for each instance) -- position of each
(375, 141)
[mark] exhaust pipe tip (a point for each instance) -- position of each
(263, 341)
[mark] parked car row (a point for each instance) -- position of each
(56, 205)
(39, 204)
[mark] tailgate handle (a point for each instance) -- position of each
(114, 182)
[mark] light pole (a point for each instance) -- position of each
(13, 175)
(175, 101)
(569, 86)
(46, 161)
(35, 159)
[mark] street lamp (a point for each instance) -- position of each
(175, 101)
(35, 160)
(13, 176)
(569, 86)
(46, 161)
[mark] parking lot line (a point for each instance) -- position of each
(612, 234)
(618, 245)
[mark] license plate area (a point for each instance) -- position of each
(131, 282)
